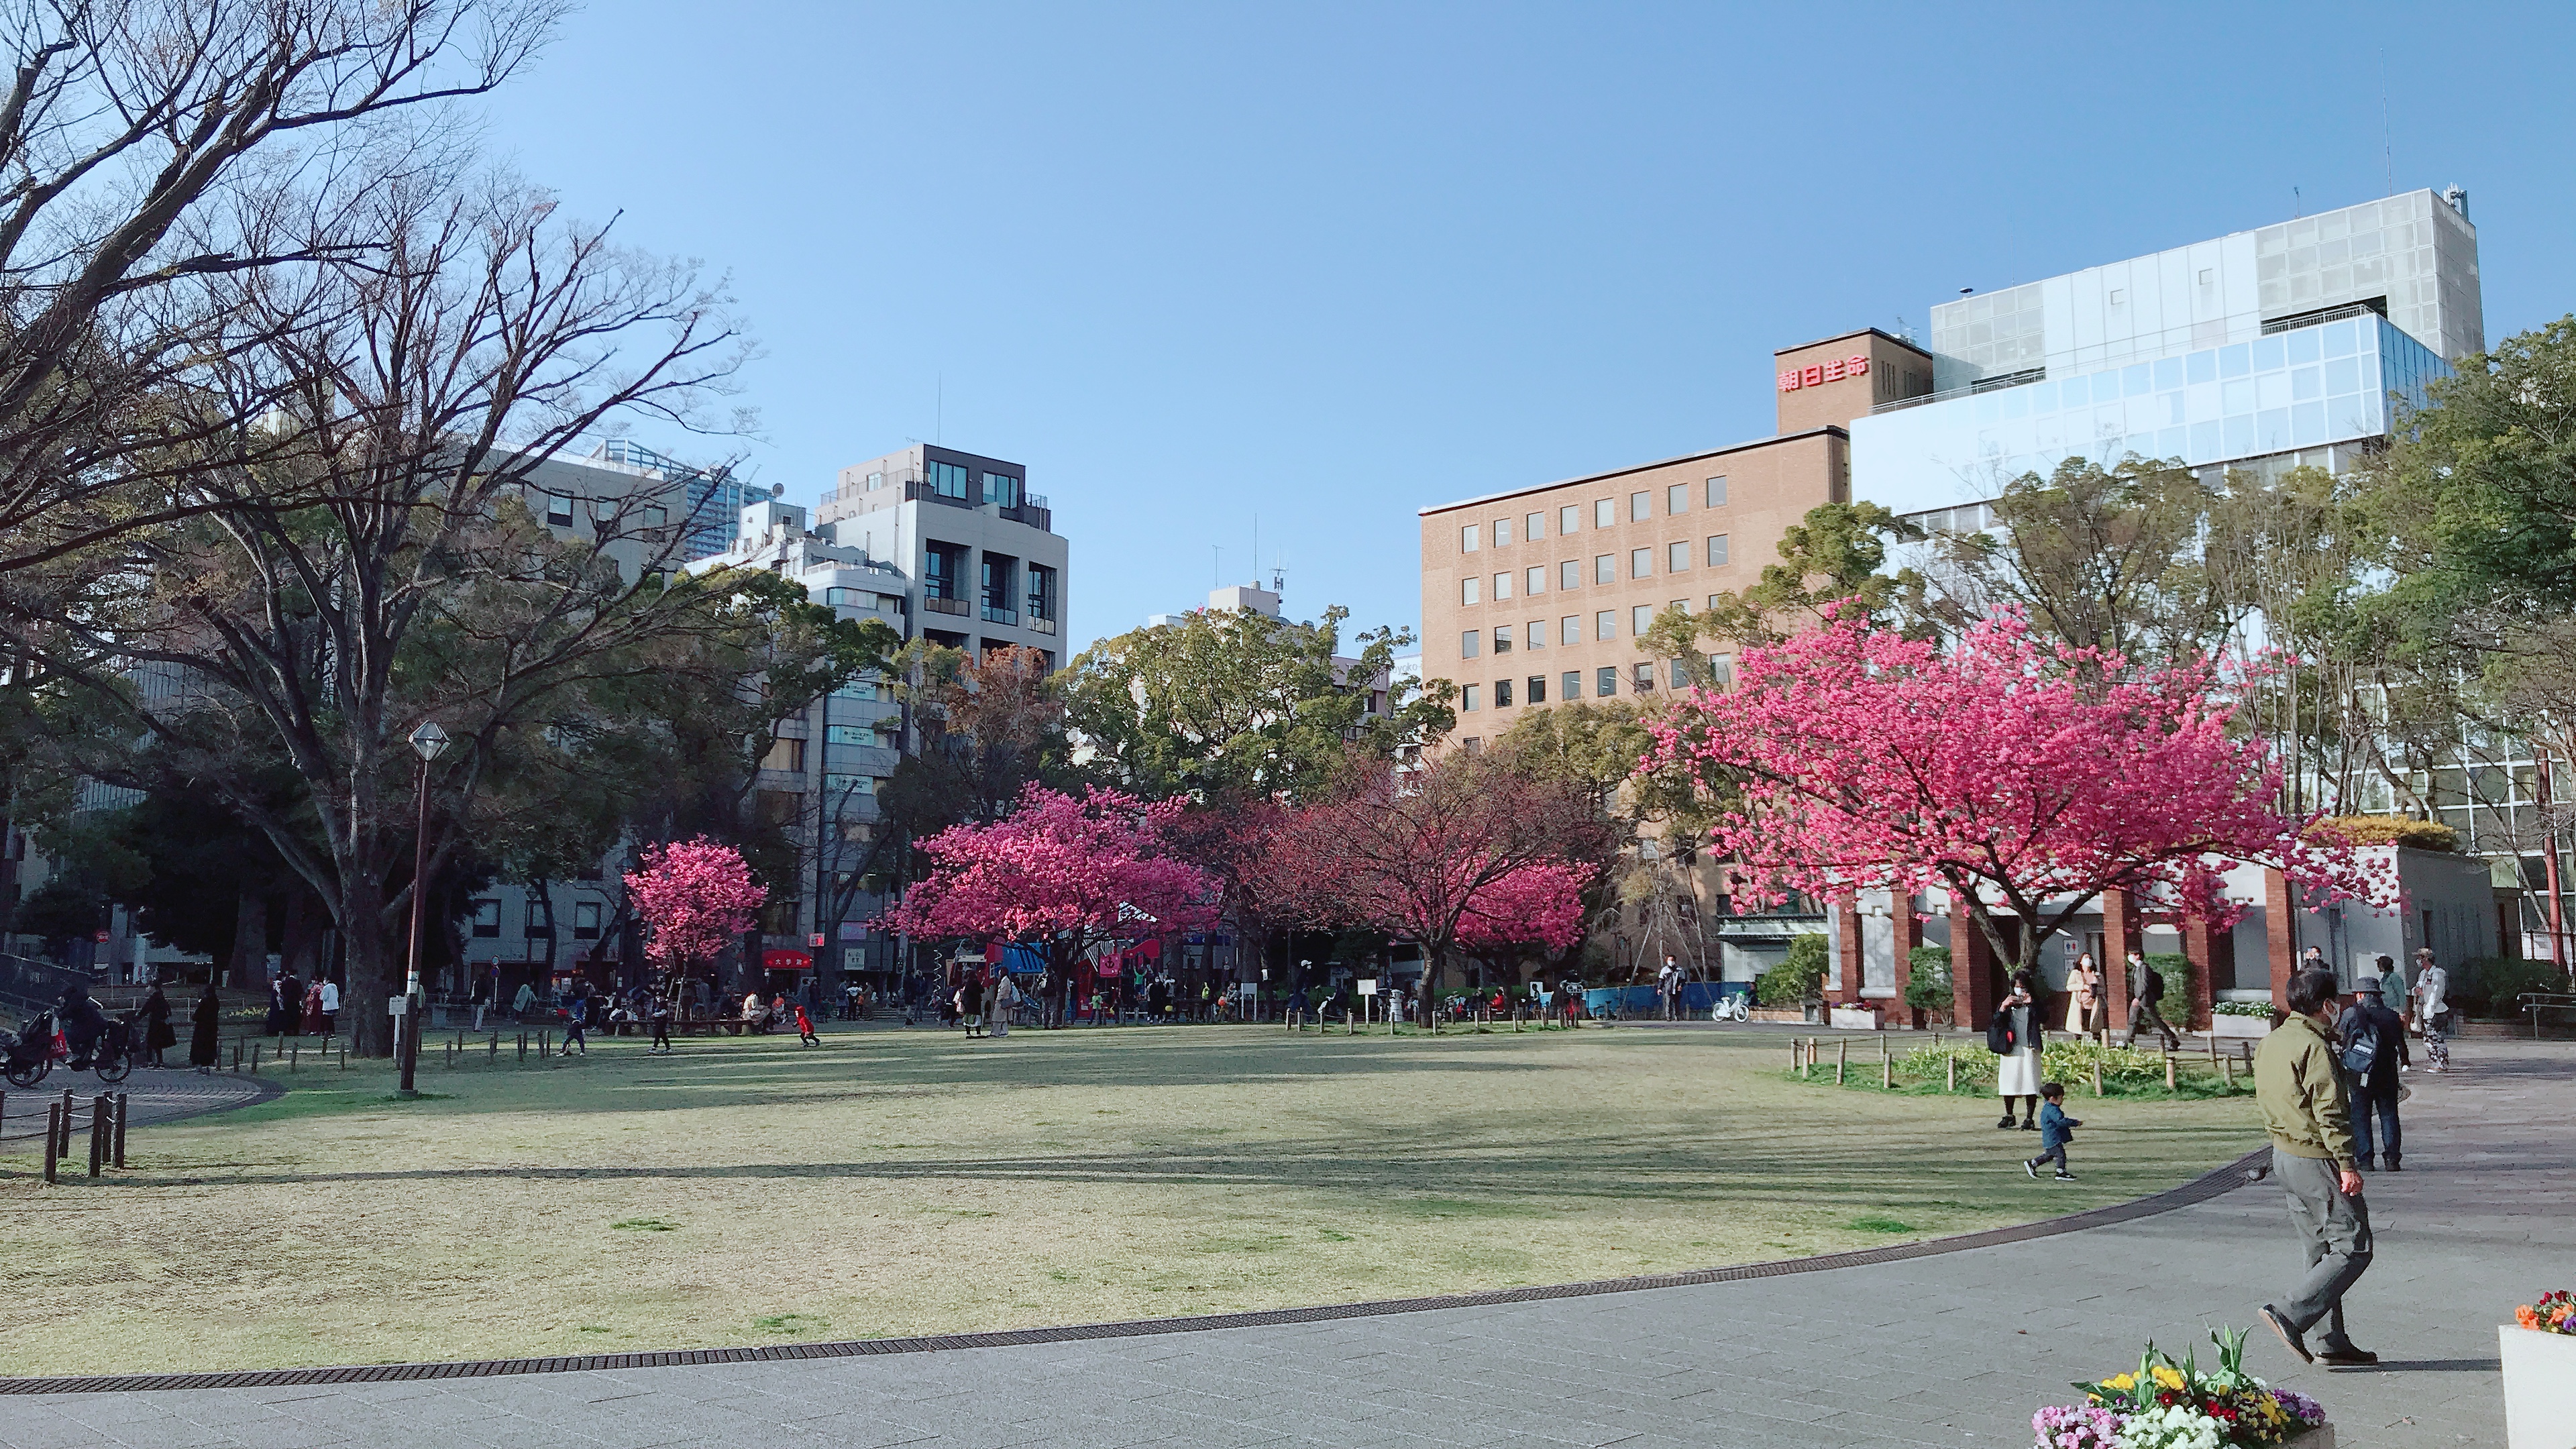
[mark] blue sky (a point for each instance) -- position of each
(1320, 266)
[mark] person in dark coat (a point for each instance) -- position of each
(2370, 1042)
(206, 1022)
(81, 1023)
(157, 1035)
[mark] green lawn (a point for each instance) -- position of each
(898, 1182)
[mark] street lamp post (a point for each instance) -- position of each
(428, 742)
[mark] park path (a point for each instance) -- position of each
(1954, 1348)
(154, 1095)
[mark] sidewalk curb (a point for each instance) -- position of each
(2201, 1189)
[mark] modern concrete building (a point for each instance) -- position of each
(985, 565)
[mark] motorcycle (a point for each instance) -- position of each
(25, 1057)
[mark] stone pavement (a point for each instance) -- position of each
(1952, 1349)
(155, 1094)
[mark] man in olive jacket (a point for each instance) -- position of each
(2299, 1084)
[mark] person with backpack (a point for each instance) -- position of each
(2370, 1043)
(2146, 989)
(2016, 1034)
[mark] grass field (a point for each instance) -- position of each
(899, 1182)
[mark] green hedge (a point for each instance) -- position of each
(2175, 968)
(1927, 984)
(2488, 986)
(1800, 976)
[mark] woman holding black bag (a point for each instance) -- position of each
(2015, 1035)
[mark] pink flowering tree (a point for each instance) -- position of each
(1061, 874)
(1467, 852)
(695, 898)
(2021, 777)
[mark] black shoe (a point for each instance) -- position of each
(2030, 1126)
(2007, 1122)
(2365, 1164)
(2393, 1167)
(2289, 1336)
(2031, 1166)
(2347, 1356)
(2062, 1176)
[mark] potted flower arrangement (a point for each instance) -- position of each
(2163, 1404)
(2539, 1353)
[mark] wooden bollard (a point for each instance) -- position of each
(254, 1057)
(523, 1048)
(1886, 1066)
(63, 1126)
(1797, 1057)
(53, 1140)
(1950, 1078)
(1842, 1057)
(295, 1057)
(496, 1046)
(97, 1133)
(124, 1109)
(2227, 1071)
(2169, 1071)
(2097, 1076)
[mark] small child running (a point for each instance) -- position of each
(2056, 1129)
(805, 1028)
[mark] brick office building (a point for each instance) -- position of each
(1539, 595)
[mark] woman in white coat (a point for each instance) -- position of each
(2015, 1036)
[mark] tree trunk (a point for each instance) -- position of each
(374, 968)
(250, 942)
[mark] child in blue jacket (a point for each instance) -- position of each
(2056, 1129)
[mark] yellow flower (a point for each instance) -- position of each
(2168, 1376)
(2123, 1382)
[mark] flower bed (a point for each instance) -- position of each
(2163, 1404)
(2554, 1313)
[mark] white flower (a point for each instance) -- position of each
(2170, 1426)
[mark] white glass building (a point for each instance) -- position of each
(2282, 345)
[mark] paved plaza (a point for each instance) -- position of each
(1953, 1348)
(154, 1094)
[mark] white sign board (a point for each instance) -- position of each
(397, 1005)
(1368, 986)
(1247, 989)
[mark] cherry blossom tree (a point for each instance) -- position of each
(2022, 777)
(695, 897)
(1061, 874)
(1468, 851)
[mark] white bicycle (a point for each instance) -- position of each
(1731, 1007)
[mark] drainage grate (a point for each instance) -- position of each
(2201, 1189)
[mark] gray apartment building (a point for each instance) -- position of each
(987, 567)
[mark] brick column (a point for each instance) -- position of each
(2200, 945)
(1847, 935)
(2122, 933)
(2280, 936)
(1972, 970)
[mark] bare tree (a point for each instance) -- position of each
(146, 146)
(425, 386)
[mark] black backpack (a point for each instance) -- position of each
(2361, 1051)
(1999, 1034)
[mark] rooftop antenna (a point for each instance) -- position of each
(1279, 581)
(2294, 203)
(1256, 550)
(1216, 564)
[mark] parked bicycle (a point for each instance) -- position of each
(1731, 1007)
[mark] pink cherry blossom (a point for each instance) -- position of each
(1061, 873)
(695, 898)
(2023, 776)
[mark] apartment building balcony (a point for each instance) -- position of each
(996, 614)
(1034, 513)
(1036, 625)
(946, 606)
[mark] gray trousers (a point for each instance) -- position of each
(2335, 1230)
(2143, 1012)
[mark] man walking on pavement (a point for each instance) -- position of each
(2307, 1108)
(2146, 988)
(2371, 1044)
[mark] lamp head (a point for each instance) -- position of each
(429, 741)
